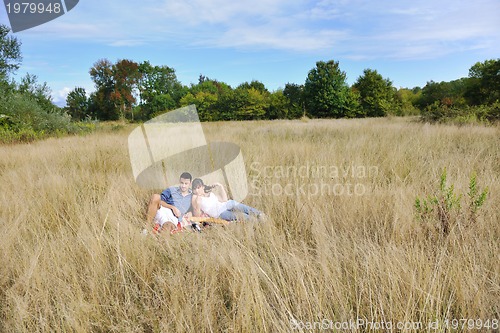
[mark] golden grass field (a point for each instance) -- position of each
(73, 259)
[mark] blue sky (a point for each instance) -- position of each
(273, 41)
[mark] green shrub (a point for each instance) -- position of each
(24, 119)
(493, 113)
(476, 198)
(83, 127)
(445, 207)
(438, 112)
(22, 136)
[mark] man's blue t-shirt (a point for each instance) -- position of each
(173, 196)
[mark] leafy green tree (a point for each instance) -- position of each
(39, 92)
(252, 100)
(432, 92)
(205, 104)
(10, 52)
(225, 106)
(294, 94)
(247, 102)
(257, 85)
(215, 100)
(376, 94)
(278, 106)
(406, 100)
(116, 87)
(101, 103)
(102, 73)
(159, 89)
(327, 93)
(125, 77)
(26, 108)
(77, 104)
(484, 83)
(159, 104)
(252, 103)
(210, 86)
(446, 94)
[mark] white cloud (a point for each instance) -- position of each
(276, 37)
(224, 12)
(59, 97)
(127, 42)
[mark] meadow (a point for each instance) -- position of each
(343, 248)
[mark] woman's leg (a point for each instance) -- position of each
(235, 207)
(238, 206)
(228, 215)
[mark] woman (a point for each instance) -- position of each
(205, 201)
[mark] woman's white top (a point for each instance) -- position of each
(212, 206)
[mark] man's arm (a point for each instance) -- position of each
(167, 202)
(174, 209)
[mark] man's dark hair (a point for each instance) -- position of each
(186, 175)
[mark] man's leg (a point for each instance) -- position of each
(164, 215)
(169, 227)
(153, 206)
(166, 219)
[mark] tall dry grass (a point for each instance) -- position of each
(73, 258)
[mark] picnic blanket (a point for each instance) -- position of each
(208, 219)
(193, 223)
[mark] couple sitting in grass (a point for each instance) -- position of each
(176, 206)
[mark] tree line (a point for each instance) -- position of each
(140, 91)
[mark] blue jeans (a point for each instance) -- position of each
(233, 207)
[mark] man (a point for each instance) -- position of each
(169, 208)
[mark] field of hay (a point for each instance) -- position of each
(343, 248)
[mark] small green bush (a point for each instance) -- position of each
(22, 136)
(24, 119)
(446, 206)
(438, 112)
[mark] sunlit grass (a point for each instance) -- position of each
(73, 257)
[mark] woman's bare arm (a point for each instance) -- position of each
(195, 201)
(223, 194)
